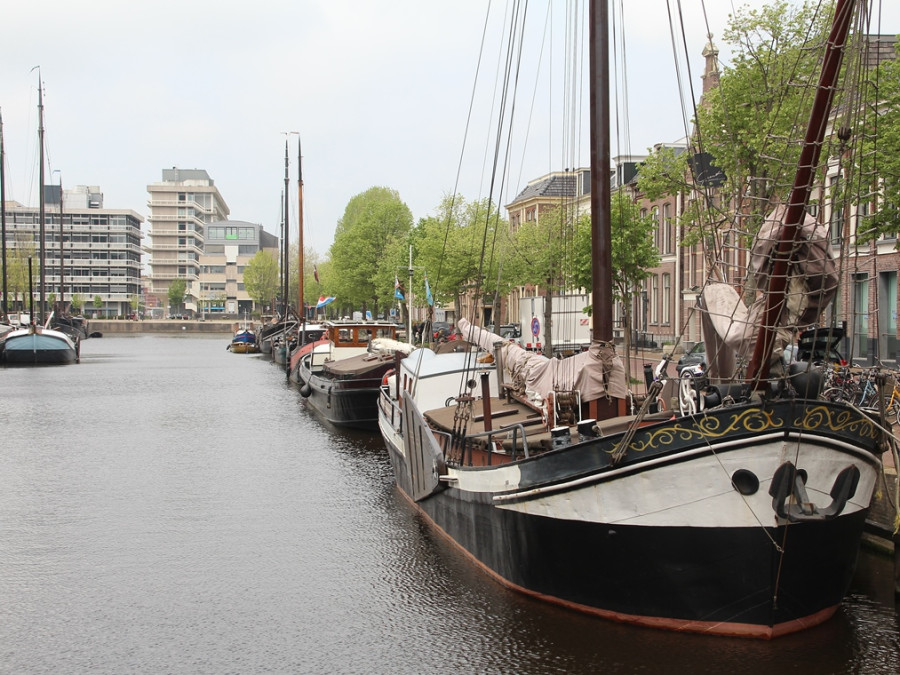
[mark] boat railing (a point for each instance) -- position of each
(468, 443)
(389, 405)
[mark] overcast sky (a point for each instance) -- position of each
(379, 91)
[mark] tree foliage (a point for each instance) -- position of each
(367, 241)
(261, 278)
(876, 164)
(17, 279)
(176, 293)
(634, 254)
(462, 247)
(748, 124)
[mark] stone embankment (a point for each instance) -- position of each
(124, 327)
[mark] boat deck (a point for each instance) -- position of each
(506, 414)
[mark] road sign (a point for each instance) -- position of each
(535, 326)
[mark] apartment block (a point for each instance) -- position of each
(181, 206)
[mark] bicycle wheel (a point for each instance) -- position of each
(835, 395)
(893, 412)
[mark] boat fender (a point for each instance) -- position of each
(387, 376)
(305, 391)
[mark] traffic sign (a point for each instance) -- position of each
(535, 326)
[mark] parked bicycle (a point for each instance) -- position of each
(892, 402)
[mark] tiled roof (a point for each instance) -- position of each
(553, 186)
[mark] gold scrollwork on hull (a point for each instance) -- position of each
(754, 421)
(686, 430)
(841, 420)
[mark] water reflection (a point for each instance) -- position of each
(167, 506)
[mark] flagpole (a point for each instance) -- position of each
(409, 300)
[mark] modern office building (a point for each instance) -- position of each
(101, 251)
(228, 247)
(181, 207)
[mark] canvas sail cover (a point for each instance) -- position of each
(730, 322)
(595, 373)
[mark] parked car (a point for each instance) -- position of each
(694, 360)
(816, 345)
(506, 330)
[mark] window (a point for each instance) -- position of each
(666, 227)
(654, 299)
(836, 220)
(666, 290)
(887, 314)
(861, 314)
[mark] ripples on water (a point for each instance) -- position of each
(167, 506)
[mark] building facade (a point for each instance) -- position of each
(228, 247)
(98, 261)
(181, 206)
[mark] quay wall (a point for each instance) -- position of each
(124, 326)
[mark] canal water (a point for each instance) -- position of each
(169, 507)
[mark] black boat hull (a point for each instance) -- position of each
(664, 539)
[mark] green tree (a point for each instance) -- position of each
(77, 303)
(633, 253)
(134, 301)
(366, 241)
(261, 278)
(876, 164)
(462, 248)
(17, 260)
(176, 293)
(748, 122)
(544, 255)
(98, 302)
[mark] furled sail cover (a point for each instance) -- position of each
(730, 326)
(595, 373)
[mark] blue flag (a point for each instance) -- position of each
(428, 297)
(398, 293)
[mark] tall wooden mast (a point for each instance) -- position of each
(601, 255)
(41, 209)
(285, 276)
(4, 307)
(300, 304)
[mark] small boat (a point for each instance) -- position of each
(341, 375)
(272, 330)
(76, 327)
(244, 342)
(37, 346)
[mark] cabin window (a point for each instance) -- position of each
(364, 334)
(345, 335)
